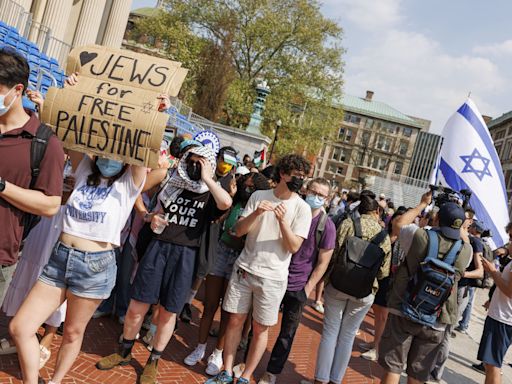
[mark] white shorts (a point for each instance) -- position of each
(246, 290)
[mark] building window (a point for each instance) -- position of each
(500, 135)
(353, 119)
(398, 168)
(379, 163)
(407, 131)
(397, 129)
(369, 123)
(348, 136)
(365, 139)
(341, 133)
(402, 150)
(339, 170)
(383, 143)
(498, 150)
(338, 154)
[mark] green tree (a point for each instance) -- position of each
(288, 43)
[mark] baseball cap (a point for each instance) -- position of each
(382, 196)
(451, 218)
(242, 170)
(478, 226)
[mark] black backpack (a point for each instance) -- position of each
(358, 263)
(37, 152)
(320, 229)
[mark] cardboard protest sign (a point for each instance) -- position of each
(113, 110)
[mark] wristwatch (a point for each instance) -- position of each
(2, 185)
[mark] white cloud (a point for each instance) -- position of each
(498, 49)
(411, 71)
(365, 14)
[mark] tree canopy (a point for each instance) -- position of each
(230, 45)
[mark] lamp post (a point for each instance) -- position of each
(278, 125)
(263, 90)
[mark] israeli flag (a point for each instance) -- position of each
(469, 160)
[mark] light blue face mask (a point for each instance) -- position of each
(109, 167)
(315, 201)
(4, 108)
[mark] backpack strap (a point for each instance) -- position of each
(433, 248)
(320, 228)
(379, 237)
(433, 245)
(38, 150)
(451, 256)
(358, 231)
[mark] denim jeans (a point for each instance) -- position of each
(342, 318)
(293, 305)
(120, 298)
(466, 315)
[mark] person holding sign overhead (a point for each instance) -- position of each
(189, 201)
(82, 267)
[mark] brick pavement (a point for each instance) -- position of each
(102, 335)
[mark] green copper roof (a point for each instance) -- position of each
(375, 109)
(146, 12)
(499, 120)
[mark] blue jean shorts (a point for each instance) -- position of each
(224, 261)
(91, 275)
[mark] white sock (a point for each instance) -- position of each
(217, 352)
(192, 295)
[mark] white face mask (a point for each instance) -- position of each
(4, 108)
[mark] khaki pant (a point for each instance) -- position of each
(6, 274)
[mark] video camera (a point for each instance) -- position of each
(442, 195)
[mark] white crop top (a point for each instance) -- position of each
(99, 213)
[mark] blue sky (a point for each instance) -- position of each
(423, 57)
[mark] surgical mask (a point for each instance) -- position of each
(194, 170)
(315, 201)
(223, 167)
(295, 184)
(4, 108)
(109, 167)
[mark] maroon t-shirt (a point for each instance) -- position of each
(15, 168)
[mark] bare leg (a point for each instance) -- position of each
(232, 339)
(78, 315)
(381, 316)
(224, 318)
(166, 324)
(214, 287)
(391, 378)
(492, 374)
(247, 326)
(258, 345)
(40, 303)
(134, 318)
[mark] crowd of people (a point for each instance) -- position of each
(87, 236)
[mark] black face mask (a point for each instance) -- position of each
(295, 184)
(194, 170)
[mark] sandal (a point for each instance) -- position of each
(6, 348)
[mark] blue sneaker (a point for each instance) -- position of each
(222, 378)
(242, 381)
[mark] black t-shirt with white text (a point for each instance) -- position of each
(188, 217)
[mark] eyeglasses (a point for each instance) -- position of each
(317, 194)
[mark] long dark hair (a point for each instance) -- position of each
(260, 183)
(367, 205)
(94, 179)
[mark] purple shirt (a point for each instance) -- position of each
(304, 260)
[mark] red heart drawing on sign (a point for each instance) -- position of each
(87, 57)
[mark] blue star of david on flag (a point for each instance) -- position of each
(477, 164)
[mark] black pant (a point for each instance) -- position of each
(293, 305)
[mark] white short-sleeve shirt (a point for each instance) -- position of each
(264, 254)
